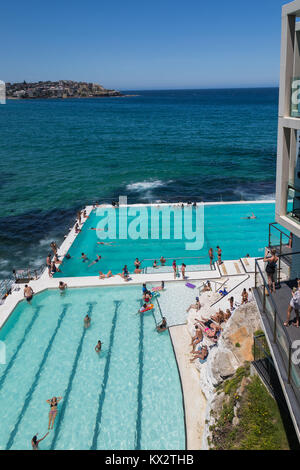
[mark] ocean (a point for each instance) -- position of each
(58, 155)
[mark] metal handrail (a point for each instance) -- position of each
(273, 224)
(277, 318)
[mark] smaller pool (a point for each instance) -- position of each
(225, 225)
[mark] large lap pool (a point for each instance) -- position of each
(225, 225)
(129, 397)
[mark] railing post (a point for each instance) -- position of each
(255, 280)
(290, 365)
(279, 262)
(275, 327)
(264, 298)
(269, 235)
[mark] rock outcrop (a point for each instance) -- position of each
(233, 349)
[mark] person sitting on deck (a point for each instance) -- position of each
(155, 264)
(125, 273)
(207, 287)
(56, 260)
(218, 317)
(201, 354)
(54, 269)
(197, 338)
(77, 229)
(28, 293)
(195, 306)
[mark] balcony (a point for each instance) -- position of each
(281, 339)
(293, 203)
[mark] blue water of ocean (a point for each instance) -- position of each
(56, 156)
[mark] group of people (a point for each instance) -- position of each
(206, 332)
(211, 256)
(147, 296)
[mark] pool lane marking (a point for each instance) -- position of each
(15, 355)
(70, 383)
(138, 431)
(105, 377)
(30, 392)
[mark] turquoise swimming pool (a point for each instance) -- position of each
(129, 397)
(224, 225)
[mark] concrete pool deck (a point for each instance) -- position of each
(194, 400)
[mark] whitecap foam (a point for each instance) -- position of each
(146, 185)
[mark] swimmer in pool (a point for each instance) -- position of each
(250, 217)
(62, 286)
(163, 326)
(35, 441)
(87, 321)
(83, 257)
(96, 261)
(107, 244)
(100, 229)
(53, 410)
(98, 347)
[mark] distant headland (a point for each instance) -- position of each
(61, 89)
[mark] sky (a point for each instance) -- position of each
(140, 45)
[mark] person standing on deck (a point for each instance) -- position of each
(48, 263)
(271, 267)
(219, 255)
(211, 256)
(183, 268)
(174, 266)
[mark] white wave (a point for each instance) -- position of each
(249, 194)
(45, 241)
(146, 185)
(3, 262)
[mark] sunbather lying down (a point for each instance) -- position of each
(221, 317)
(201, 354)
(103, 276)
(210, 330)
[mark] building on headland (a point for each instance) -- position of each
(280, 327)
(60, 89)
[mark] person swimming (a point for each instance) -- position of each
(53, 402)
(95, 261)
(163, 326)
(87, 321)
(62, 286)
(249, 217)
(35, 441)
(98, 347)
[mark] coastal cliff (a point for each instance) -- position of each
(61, 89)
